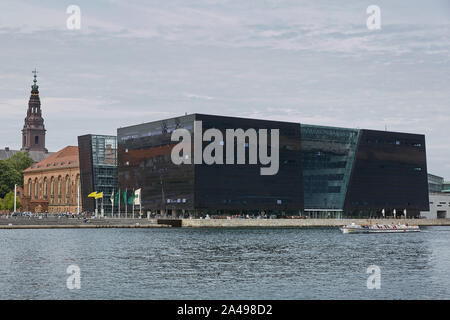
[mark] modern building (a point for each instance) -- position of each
(98, 168)
(446, 186)
(33, 132)
(145, 162)
(439, 206)
(435, 183)
(323, 171)
(53, 184)
(439, 198)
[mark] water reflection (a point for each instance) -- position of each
(316, 263)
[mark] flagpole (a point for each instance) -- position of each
(112, 204)
(133, 202)
(15, 197)
(119, 203)
(102, 211)
(126, 206)
(78, 199)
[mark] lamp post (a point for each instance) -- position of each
(15, 196)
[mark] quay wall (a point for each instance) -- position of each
(54, 222)
(57, 223)
(306, 222)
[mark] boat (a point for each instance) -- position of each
(379, 228)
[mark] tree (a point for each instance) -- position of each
(8, 177)
(11, 171)
(8, 202)
(21, 161)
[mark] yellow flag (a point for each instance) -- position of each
(92, 194)
(99, 195)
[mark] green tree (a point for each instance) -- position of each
(8, 202)
(20, 161)
(11, 171)
(8, 177)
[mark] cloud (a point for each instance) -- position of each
(306, 61)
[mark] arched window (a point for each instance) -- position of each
(59, 189)
(36, 188)
(67, 189)
(45, 188)
(52, 190)
(30, 187)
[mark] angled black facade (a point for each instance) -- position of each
(323, 171)
(145, 162)
(390, 173)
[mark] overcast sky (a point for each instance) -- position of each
(312, 62)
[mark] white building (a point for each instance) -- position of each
(439, 206)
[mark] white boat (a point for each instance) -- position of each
(378, 228)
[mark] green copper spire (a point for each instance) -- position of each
(34, 86)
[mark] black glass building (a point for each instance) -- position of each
(323, 171)
(98, 169)
(145, 162)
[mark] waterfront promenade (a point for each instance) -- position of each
(57, 223)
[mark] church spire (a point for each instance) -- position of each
(33, 133)
(35, 87)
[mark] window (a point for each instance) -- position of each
(36, 140)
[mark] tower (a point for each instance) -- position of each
(33, 132)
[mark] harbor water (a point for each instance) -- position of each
(223, 263)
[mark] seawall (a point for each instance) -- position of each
(65, 223)
(220, 223)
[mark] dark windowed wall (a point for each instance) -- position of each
(327, 160)
(144, 161)
(241, 187)
(390, 172)
(98, 169)
(348, 172)
(86, 172)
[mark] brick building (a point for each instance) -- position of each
(52, 185)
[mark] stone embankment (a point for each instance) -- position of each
(306, 222)
(63, 222)
(58, 223)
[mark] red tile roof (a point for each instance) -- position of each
(65, 158)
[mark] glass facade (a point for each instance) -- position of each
(435, 183)
(145, 162)
(390, 173)
(98, 169)
(327, 161)
(323, 171)
(230, 188)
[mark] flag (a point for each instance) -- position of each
(130, 199)
(112, 197)
(116, 198)
(92, 194)
(137, 197)
(99, 195)
(125, 196)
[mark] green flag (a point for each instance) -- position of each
(131, 199)
(116, 198)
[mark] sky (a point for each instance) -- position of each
(313, 62)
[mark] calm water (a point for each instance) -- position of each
(223, 264)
